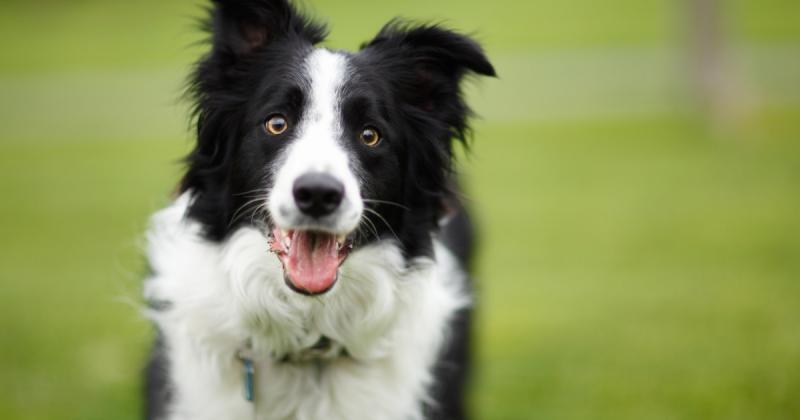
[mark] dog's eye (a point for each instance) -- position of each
(370, 136)
(276, 125)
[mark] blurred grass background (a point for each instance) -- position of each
(641, 231)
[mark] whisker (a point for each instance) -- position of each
(261, 210)
(258, 197)
(391, 203)
(369, 224)
(257, 190)
(240, 211)
(384, 221)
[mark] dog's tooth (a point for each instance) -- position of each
(286, 239)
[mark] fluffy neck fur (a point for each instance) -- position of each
(389, 315)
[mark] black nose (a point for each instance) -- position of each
(317, 195)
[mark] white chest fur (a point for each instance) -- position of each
(391, 319)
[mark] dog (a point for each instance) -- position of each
(314, 262)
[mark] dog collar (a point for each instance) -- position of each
(324, 350)
(249, 373)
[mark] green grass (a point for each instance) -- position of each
(634, 264)
(72, 344)
(637, 270)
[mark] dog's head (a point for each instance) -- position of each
(324, 150)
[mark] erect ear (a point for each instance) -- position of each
(241, 27)
(434, 61)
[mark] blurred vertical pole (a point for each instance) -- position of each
(715, 86)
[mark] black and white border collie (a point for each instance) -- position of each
(313, 264)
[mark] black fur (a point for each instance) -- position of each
(254, 64)
(406, 82)
(157, 389)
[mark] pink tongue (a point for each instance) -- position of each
(313, 261)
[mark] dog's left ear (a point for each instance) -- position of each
(432, 62)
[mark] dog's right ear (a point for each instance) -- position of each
(241, 27)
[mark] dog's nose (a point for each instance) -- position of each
(317, 194)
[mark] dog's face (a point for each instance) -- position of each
(325, 151)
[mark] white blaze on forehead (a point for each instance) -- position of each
(318, 146)
(326, 71)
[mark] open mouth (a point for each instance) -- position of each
(310, 259)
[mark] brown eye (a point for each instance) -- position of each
(276, 125)
(370, 137)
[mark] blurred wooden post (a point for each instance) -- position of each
(716, 88)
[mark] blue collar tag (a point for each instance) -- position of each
(249, 379)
